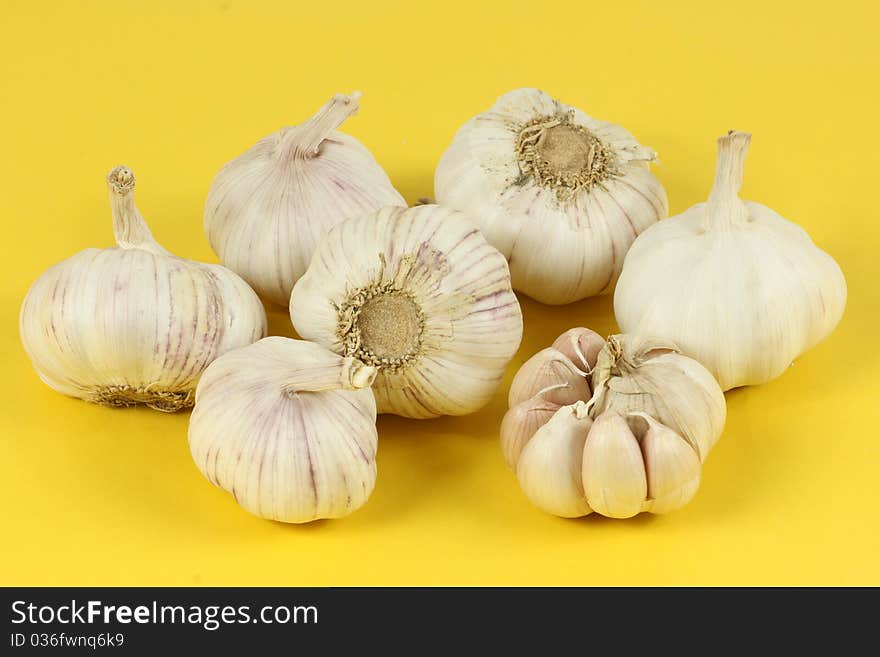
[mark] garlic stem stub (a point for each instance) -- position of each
(732, 283)
(634, 443)
(288, 428)
(268, 208)
(562, 195)
(419, 294)
(134, 324)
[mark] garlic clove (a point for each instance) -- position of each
(614, 479)
(549, 368)
(520, 423)
(671, 465)
(693, 404)
(419, 294)
(287, 428)
(581, 345)
(549, 467)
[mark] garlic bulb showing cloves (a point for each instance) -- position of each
(419, 294)
(560, 194)
(732, 283)
(268, 208)
(134, 324)
(634, 442)
(288, 428)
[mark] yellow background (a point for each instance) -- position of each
(174, 90)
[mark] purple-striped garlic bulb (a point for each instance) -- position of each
(615, 427)
(134, 324)
(562, 195)
(268, 208)
(288, 428)
(420, 295)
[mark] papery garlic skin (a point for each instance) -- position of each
(636, 441)
(581, 346)
(288, 428)
(268, 208)
(134, 324)
(560, 194)
(550, 371)
(419, 294)
(646, 375)
(733, 284)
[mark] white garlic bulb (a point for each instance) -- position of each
(732, 283)
(635, 442)
(419, 294)
(288, 428)
(134, 324)
(268, 208)
(560, 194)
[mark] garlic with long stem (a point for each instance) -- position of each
(634, 442)
(560, 194)
(268, 208)
(134, 324)
(288, 428)
(419, 294)
(732, 283)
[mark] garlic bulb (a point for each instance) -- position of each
(134, 324)
(560, 194)
(732, 283)
(268, 208)
(288, 428)
(419, 294)
(634, 442)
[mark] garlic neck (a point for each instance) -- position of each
(346, 374)
(622, 356)
(303, 141)
(724, 208)
(129, 227)
(606, 367)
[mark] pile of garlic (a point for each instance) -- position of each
(616, 427)
(412, 311)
